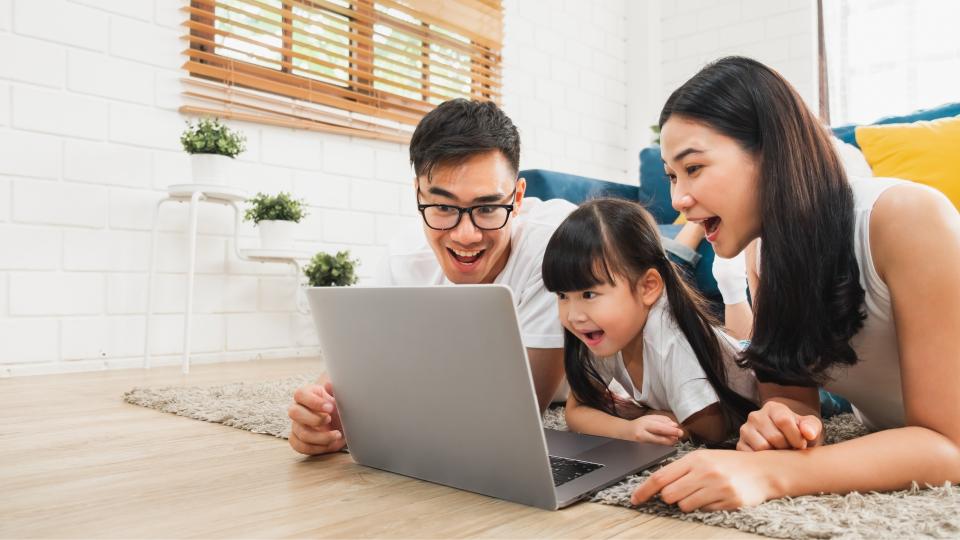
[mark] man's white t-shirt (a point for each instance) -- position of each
(411, 262)
(672, 377)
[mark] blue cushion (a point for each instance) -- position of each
(546, 185)
(654, 186)
(847, 133)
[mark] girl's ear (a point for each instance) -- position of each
(650, 287)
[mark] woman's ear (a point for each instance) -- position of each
(650, 287)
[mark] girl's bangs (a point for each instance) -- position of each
(575, 258)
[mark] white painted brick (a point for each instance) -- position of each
(172, 254)
(258, 177)
(803, 46)
(678, 26)
(408, 203)
(350, 159)
(59, 203)
(127, 293)
(390, 227)
(118, 251)
(167, 12)
(240, 293)
(258, 331)
(277, 294)
(394, 166)
(374, 196)
(145, 42)
(615, 45)
(762, 8)
(101, 75)
(549, 140)
(321, 189)
(578, 53)
(102, 337)
(29, 248)
(58, 113)
(721, 16)
(6, 14)
(52, 293)
(139, 9)
(128, 124)
(550, 92)
(742, 32)
(701, 43)
(4, 298)
(168, 94)
(578, 148)
(565, 121)
(564, 72)
(290, 148)
(30, 154)
(614, 90)
(171, 167)
(107, 163)
(791, 23)
(4, 199)
(29, 340)
(370, 258)
(348, 227)
(4, 104)
(610, 66)
(536, 61)
(62, 22)
(206, 334)
(304, 331)
(547, 39)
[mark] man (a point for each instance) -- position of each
(477, 228)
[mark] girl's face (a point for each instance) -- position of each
(609, 318)
(714, 182)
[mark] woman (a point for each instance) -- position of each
(856, 287)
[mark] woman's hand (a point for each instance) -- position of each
(777, 426)
(711, 480)
(653, 428)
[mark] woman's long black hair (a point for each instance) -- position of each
(809, 302)
(608, 239)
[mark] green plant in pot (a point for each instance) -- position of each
(327, 270)
(212, 147)
(275, 216)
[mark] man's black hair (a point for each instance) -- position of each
(459, 129)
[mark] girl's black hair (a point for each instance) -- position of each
(608, 238)
(809, 302)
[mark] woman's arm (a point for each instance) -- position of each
(915, 243)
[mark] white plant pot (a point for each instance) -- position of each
(211, 168)
(276, 234)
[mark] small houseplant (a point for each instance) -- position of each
(276, 217)
(212, 146)
(327, 270)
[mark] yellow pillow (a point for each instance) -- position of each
(927, 152)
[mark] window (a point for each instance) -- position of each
(369, 68)
(888, 57)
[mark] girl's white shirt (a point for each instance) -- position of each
(672, 377)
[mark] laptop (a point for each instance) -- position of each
(433, 383)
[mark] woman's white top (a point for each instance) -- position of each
(672, 377)
(872, 385)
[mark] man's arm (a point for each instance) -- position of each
(546, 366)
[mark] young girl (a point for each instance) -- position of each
(630, 319)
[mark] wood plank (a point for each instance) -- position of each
(76, 461)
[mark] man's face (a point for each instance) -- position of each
(466, 253)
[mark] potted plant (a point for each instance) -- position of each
(327, 270)
(211, 146)
(276, 217)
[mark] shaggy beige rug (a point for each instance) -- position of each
(930, 512)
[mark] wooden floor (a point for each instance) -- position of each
(77, 462)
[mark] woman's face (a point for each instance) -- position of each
(714, 182)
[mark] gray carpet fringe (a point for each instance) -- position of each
(928, 512)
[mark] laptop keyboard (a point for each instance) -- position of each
(565, 469)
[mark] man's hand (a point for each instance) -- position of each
(316, 423)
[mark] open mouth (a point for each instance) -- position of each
(594, 336)
(466, 257)
(710, 226)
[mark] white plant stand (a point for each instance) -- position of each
(194, 194)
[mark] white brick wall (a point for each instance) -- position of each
(89, 141)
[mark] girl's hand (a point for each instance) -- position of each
(776, 426)
(653, 428)
(710, 480)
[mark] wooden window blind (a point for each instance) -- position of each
(370, 68)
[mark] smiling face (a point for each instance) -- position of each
(714, 182)
(466, 254)
(609, 318)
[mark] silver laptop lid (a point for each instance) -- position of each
(433, 383)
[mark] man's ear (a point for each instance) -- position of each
(650, 287)
(521, 189)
